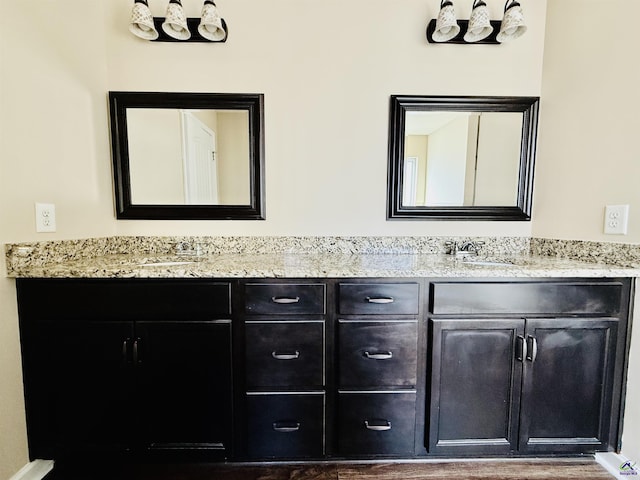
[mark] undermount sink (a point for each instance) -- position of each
(164, 264)
(487, 263)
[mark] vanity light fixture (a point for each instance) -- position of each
(141, 24)
(512, 23)
(479, 29)
(479, 23)
(176, 26)
(446, 27)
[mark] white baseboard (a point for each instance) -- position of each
(35, 470)
(614, 462)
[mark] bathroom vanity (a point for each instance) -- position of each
(353, 364)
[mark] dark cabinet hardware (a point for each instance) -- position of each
(286, 356)
(378, 425)
(136, 351)
(379, 355)
(125, 351)
(380, 300)
(531, 348)
(522, 349)
(285, 300)
(286, 426)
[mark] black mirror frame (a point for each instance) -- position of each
(401, 104)
(125, 209)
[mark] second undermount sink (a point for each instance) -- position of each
(164, 264)
(487, 262)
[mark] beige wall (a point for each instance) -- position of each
(327, 70)
(588, 154)
(53, 148)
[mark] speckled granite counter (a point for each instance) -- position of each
(319, 266)
(292, 257)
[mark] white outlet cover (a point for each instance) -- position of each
(616, 219)
(45, 217)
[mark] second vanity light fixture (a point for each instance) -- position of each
(479, 28)
(209, 27)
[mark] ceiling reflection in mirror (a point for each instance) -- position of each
(189, 156)
(461, 158)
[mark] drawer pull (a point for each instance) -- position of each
(286, 426)
(380, 300)
(532, 351)
(379, 355)
(385, 425)
(285, 300)
(286, 356)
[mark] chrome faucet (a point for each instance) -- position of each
(464, 250)
(188, 249)
(471, 248)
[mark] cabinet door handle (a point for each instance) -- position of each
(522, 348)
(380, 300)
(136, 351)
(379, 355)
(125, 351)
(386, 425)
(286, 356)
(532, 348)
(285, 300)
(286, 426)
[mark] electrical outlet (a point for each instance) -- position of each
(616, 219)
(45, 217)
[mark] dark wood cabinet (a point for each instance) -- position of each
(313, 369)
(377, 362)
(475, 386)
(79, 387)
(568, 385)
(538, 384)
(183, 375)
(285, 362)
(123, 386)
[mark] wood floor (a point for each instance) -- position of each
(474, 470)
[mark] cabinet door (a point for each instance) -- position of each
(475, 386)
(184, 380)
(78, 379)
(567, 385)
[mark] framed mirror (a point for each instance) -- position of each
(461, 158)
(188, 156)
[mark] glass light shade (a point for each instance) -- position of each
(446, 25)
(513, 25)
(141, 24)
(479, 23)
(175, 24)
(211, 24)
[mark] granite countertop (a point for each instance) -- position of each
(317, 265)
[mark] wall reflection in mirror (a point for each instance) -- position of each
(461, 158)
(189, 156)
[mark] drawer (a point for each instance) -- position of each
(379, 298)
(377, 354)
(376, 423)
(124, 299)
(285, 425)
(285, 298)
(533, 298)
(282, 354)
